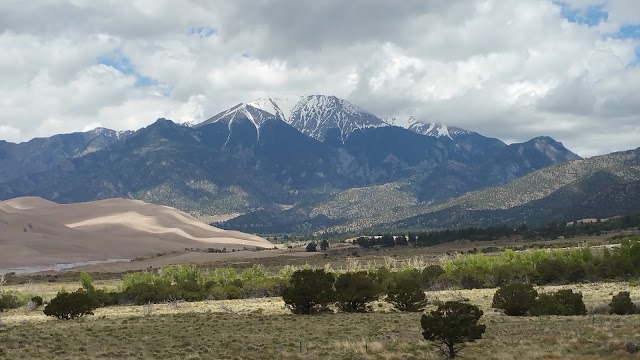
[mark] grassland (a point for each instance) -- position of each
(264, 329)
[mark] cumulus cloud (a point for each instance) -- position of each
(512, 70)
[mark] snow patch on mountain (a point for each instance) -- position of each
(315, 114)
(279, 106)
(437, 130)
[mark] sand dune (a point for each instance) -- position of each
(34, 231)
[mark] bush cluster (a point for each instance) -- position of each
(188, 283)
(520, 299)
(311, 291)
(543, 267)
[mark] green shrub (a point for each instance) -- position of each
(562, 302)
(621, 304)
(10, 301)
(105, 298)
(144, 293)
(469, 281)
(515, 299)
(309, 291)
(37, 301)
(405, 292)
(354, 291)
(69, 306)
(430, 275)
(312, 247)
(86, 281)
(267, 287)
(226, 292)
(451, 325)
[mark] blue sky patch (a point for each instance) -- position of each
(590, 15)
(202, 31)
(628, 31)
(122, 63)
(119, 62)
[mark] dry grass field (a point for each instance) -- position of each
(264, 329)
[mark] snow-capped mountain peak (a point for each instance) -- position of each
(254, 114)
(280, 106)
(315, 114)
(312, 115)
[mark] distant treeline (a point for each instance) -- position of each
(551, 231)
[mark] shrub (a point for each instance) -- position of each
(37, 301)
(104, 298)
(267, 287)
(405, 292)
(354, 291)
(69, 306)
(515, 299)
(312, 247)
(561, 302)
(309, 291)
(451, 325)
(324, 245)
(621, 304)
(468, 281)
(34, 303)
(9, 301)
(143, 293)
(430, 275)
(86, 281)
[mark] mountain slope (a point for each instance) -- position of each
(41, 154)
(601, 186)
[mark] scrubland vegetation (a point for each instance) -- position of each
(543, 303)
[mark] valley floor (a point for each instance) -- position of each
(264, 329)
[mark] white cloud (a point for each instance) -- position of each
(512, 70)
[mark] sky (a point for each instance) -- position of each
(514, 70)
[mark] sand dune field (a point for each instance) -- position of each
(34, 231)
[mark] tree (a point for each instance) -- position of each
(309, 290)
(405, 292)
(515, 299)
(70, 306)
(354, 291)
(621, 304)
(451, 325)
(312, 247)
(324, 245)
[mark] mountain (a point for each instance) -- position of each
(597, 187)
(34, 231)
(41, 154)
(249, 160)
(436, 129)
(312, 115)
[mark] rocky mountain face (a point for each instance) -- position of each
(286, 164)
(41, 154)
